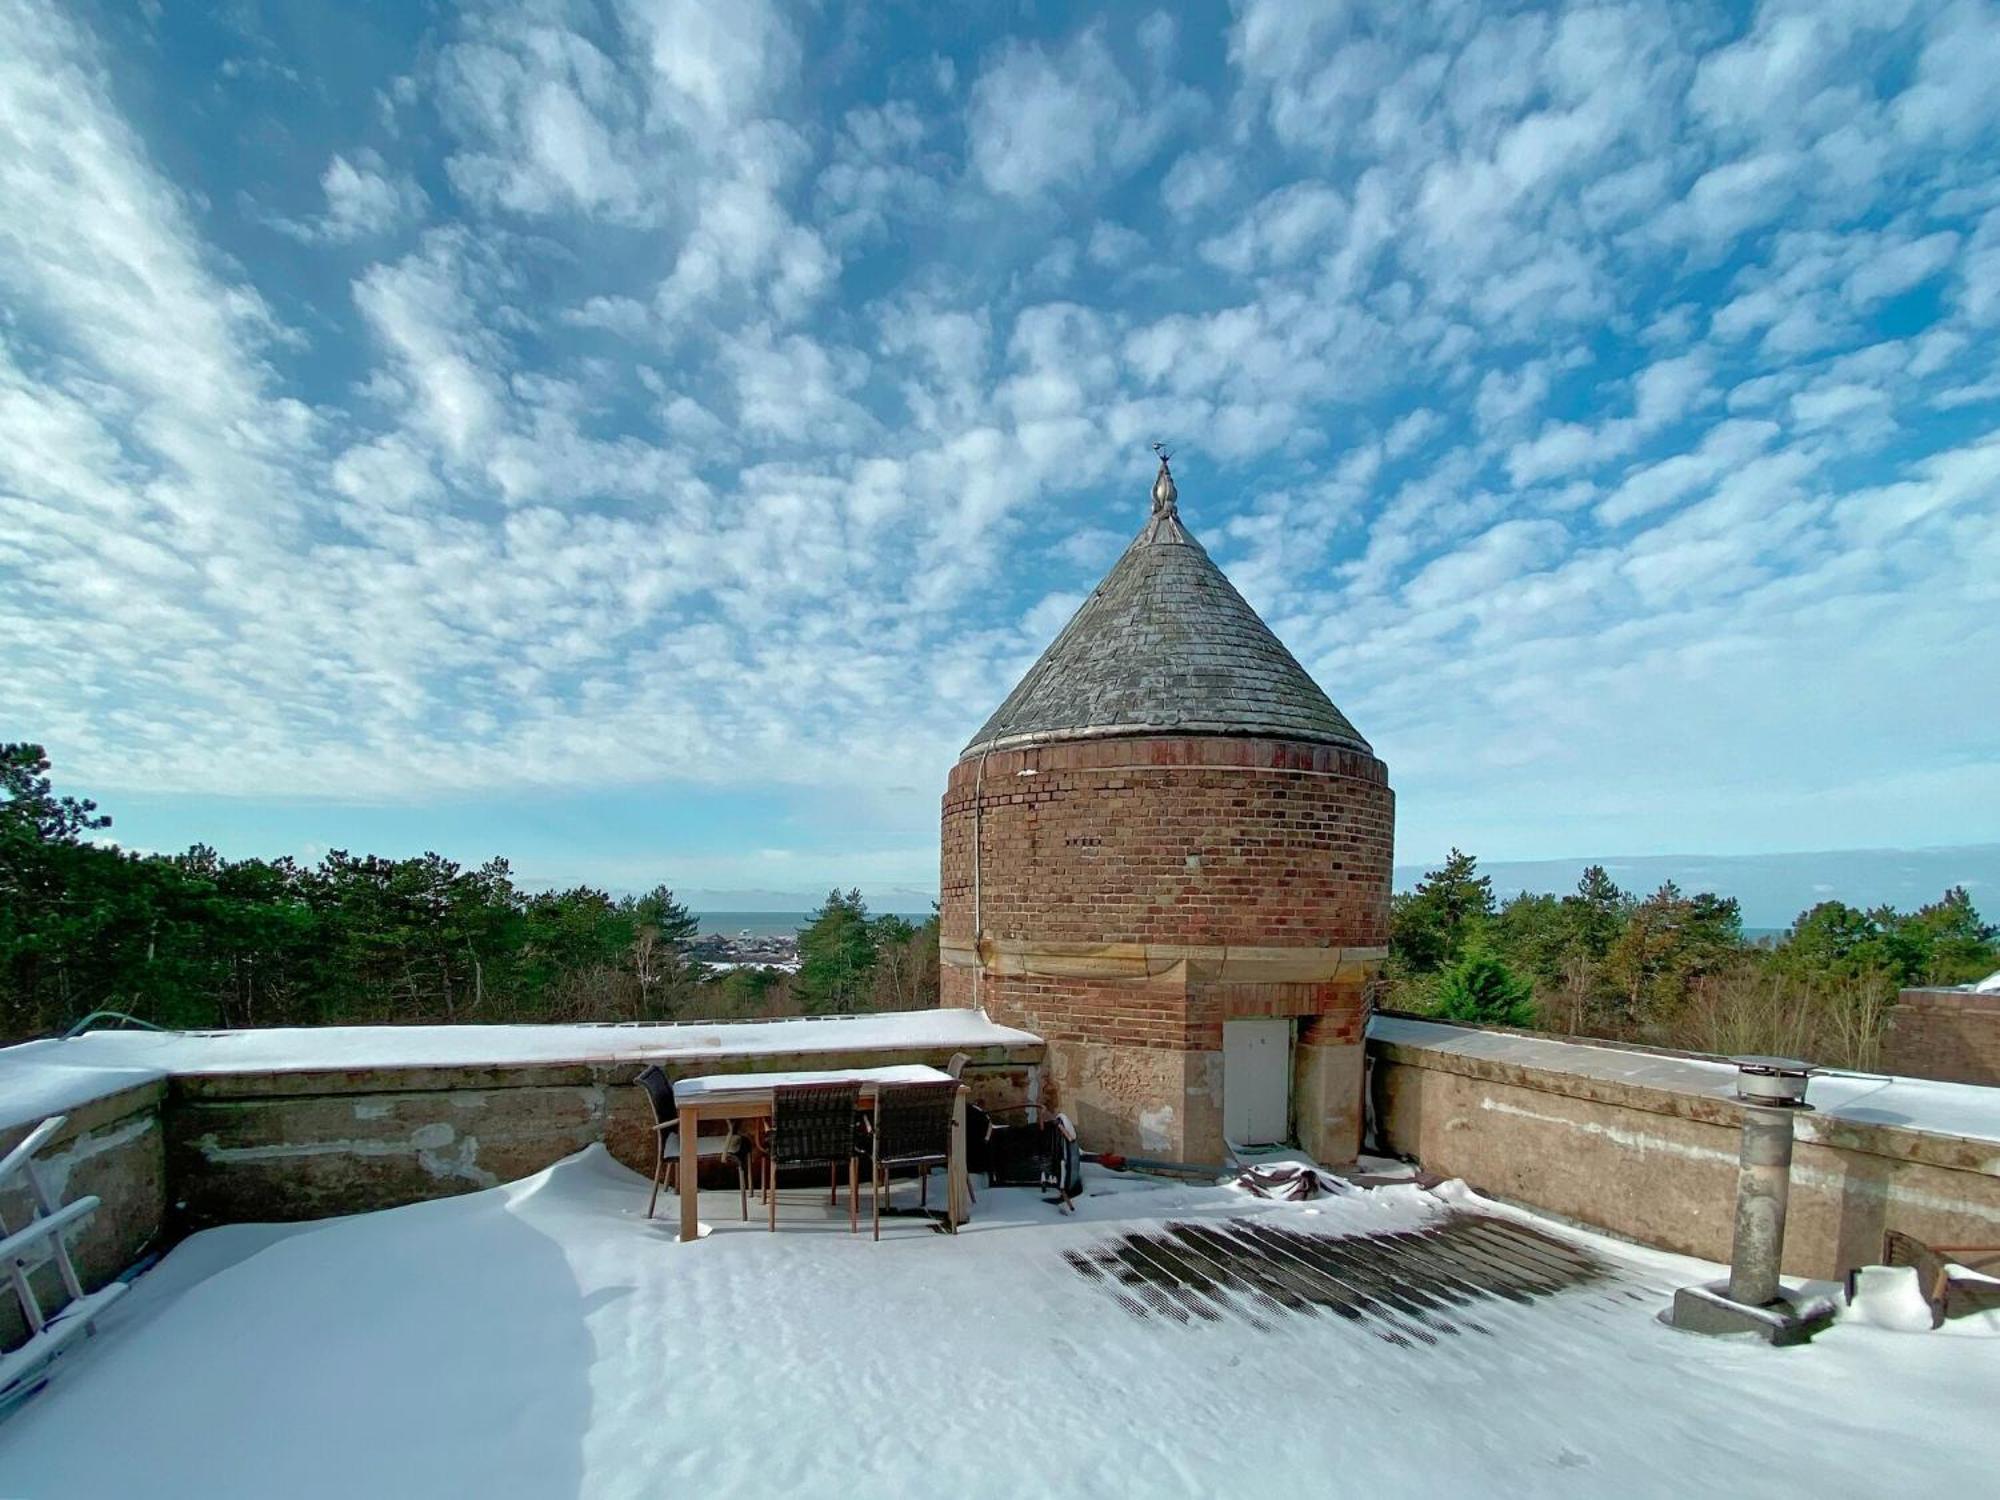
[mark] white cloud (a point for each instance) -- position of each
(420, 309)
(549, 122)
(715, 62)
(1494, 557)
(1041, 120)
(1724, 447)
(363, 200)
(1286, 225)
(1195, 181)
(1899, 266)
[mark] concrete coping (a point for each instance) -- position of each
(580, 1073)
(1955, 1126)
(60, 1074)
(93, 1114)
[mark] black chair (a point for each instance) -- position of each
(911, 1127)
(667, 1141)
(812, 1125)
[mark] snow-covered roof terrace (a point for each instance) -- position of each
(545, 1339)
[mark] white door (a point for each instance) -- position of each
(1256, 1081)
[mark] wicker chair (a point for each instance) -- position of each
(812, 1125)
(667, 1141)
(911, 1127)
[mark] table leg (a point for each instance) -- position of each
(690, 1176)
(955, 1174)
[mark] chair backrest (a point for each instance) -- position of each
(813, 1123)
(913, 1120)
(659, 1091)
(957, 1064)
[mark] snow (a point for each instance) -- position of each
(1967, 1110)
(689, 1089)
(545, 1339)
(32, 1089)
(1890, 1297)
(49, 1077)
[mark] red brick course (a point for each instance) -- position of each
(1187, 840)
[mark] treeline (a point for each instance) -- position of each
(1670, 969)
(195, 941)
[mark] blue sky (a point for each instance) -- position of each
(646, 438)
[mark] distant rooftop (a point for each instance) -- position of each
(1165, 645)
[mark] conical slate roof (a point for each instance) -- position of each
(1165, 645)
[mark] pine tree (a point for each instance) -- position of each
(836, 955)
(1481, 988)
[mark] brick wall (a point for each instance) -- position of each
(1949, 1034)
(1177, 840)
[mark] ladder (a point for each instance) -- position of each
(22, 1251)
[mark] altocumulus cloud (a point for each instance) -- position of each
(1600, 399)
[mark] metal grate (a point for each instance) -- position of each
(1406, 1288)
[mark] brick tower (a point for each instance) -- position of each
(1169, 854)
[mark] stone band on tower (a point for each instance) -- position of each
(1166, 845)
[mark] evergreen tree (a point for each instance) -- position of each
(1481, 988)
(836, 955)
(1595, 914)
(1942, 943)
(1533, 933)
(664, 933)
(1436, 922)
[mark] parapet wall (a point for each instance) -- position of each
(113, 1147)
(247, 1147)
(1645, 1145)
(1948, 1034)
(205, 1139)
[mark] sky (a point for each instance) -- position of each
(646, 438)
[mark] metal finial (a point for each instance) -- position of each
(1165, 496)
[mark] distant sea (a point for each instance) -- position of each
(770, 923)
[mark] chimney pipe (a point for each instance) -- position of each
(1753, 1299)
(1772, 1089)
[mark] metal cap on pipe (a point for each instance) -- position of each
(1775, 1082)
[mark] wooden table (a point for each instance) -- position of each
(748, 1096)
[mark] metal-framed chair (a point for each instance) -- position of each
(813, 1125)
(911, 1127)
(667, 1141)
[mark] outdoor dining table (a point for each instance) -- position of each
(750, 1096)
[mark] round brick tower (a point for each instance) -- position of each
(1168, 853)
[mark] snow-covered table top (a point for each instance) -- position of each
(38, 1079)
(729, 1085)
(1967, 1110)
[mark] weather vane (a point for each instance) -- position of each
(1165, 495)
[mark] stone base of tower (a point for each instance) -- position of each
(1327, 1093)
(1140, 1101)
(1138, 1064)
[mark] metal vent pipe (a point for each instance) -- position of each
(1772, 1090)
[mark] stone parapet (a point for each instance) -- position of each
(1646, 1145)
(112, 1147)
(287, 1145)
